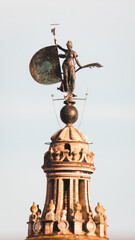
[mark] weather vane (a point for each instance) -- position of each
(53, 30)
(45, 66)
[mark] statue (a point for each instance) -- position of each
(68, 66)
(45, 67)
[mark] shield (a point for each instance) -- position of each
(45, 66)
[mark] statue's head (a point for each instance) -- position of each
(69, 44)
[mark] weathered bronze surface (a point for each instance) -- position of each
(45, 66)
(69, 114)
(68, 66)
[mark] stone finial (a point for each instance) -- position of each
(78, 220)
(51, 206)
(49, 219)
(78, 214)
(33, 208)
(50, 215)
(101, 221)
(104, 221)
(32, 219)
(63, 216)
(103, 211)
(98, 209)
(78, 206)
(105, 225)
(33, 216)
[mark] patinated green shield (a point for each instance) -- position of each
(45, 66)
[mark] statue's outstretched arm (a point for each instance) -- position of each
(63, 49)
(76, 59)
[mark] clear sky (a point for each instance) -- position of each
(101, 31)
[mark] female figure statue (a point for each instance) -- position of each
(68, 66)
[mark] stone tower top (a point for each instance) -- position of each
(69, 149)
(68, 163)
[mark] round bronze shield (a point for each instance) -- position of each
(45, 66)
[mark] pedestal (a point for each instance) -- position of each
(78, 227)
(49, 227)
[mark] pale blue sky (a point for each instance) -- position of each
(101, 31)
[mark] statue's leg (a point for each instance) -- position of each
(72, 79)
(65, 76)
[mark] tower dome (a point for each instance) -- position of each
(69, 147)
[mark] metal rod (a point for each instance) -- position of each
(57, 99)
(48, 143)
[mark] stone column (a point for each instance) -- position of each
(89, 199)
(86, 196)
(71, 204)
(60, 199)
(76, 191)
(55, 190)
(46, 200)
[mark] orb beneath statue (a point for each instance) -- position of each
(69, 114)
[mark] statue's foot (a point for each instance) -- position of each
(74, 95)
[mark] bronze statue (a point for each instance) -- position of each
(68, 66)
(45, 67)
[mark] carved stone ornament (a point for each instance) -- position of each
(74, 156)
(63, 226)
(91, 226)
(37, 226)
(70, 144)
